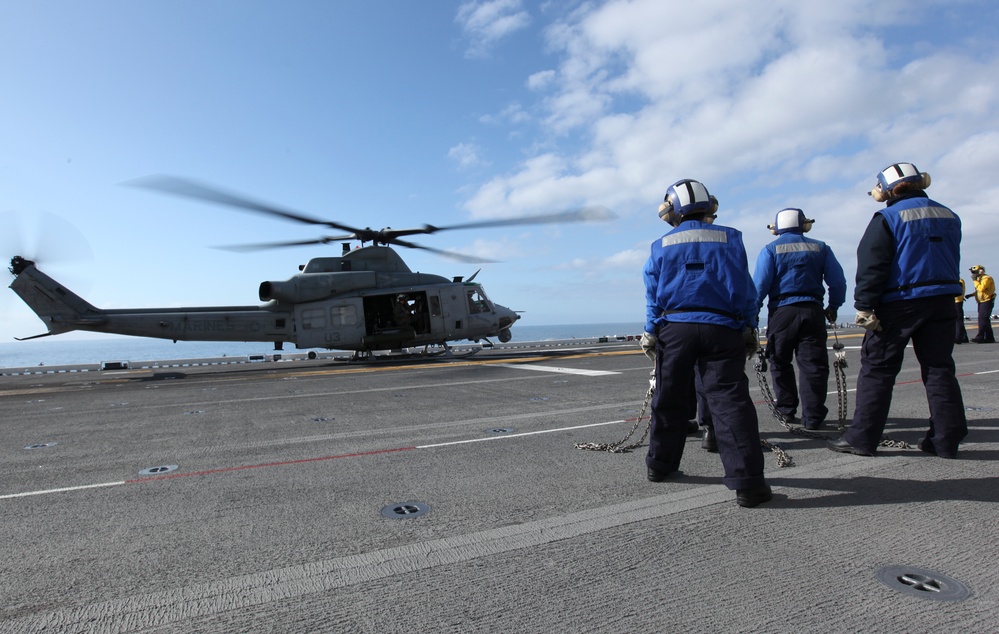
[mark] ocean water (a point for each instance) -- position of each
(58, 351)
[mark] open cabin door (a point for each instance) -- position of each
(418, 310)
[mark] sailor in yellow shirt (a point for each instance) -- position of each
(985, 294)
(961, 334)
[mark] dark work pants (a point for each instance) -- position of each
(718, 354)
(696, 402)
(985, 322)
(703, 412)
(961, 334)
(929, 323)
(797, 332)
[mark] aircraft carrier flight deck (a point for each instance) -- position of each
(408, 495)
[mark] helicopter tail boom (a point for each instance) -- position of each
(61, 309)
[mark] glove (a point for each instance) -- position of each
(649, 346)
(868, 320)
(831, 315)
(969, 295)
(752, 341)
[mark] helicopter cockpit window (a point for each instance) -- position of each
(477, 301)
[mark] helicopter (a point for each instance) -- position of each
(365, 300)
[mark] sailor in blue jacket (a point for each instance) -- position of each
(790, 271)
(701, 313)
(908, 273)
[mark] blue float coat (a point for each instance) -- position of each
(792, 268)
(699, 273)
(911, 249)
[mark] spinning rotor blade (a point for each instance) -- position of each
(470, 259)
(43, 238)
(51, 242)
(577, 215)
(239, 248)
(197, 191)
(262, 246)
(583, 214)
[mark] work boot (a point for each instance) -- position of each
(753, 497)
(708, 442)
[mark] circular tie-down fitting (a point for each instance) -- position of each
(926, 584)
(500, 430)
(405, 510)
(159, 470)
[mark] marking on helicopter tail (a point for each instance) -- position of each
(545, 368)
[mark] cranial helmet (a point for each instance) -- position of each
(790, 219)
(978, 269)
(895, 174)
(686, 197)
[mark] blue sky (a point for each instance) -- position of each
(400, 113)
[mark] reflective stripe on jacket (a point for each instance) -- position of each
(927, 250)
(792, 268)
(699, 273)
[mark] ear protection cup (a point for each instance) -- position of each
(714, 205)
(667, 214)
(878, 194)
(924, 180)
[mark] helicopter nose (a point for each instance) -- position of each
(506, 319)
(506, 316)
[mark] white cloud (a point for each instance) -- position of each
(465, 154)
(541, 79)
(796, 104)
(501, 250)
(630, 260)
(486, 22)
(513, 113)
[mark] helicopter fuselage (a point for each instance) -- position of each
(366, 300)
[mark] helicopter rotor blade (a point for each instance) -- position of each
(262, 246)
(43, 237)
(583, 214)
(470, 259)
(199, 191)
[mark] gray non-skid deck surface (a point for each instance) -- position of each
(273, 519)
